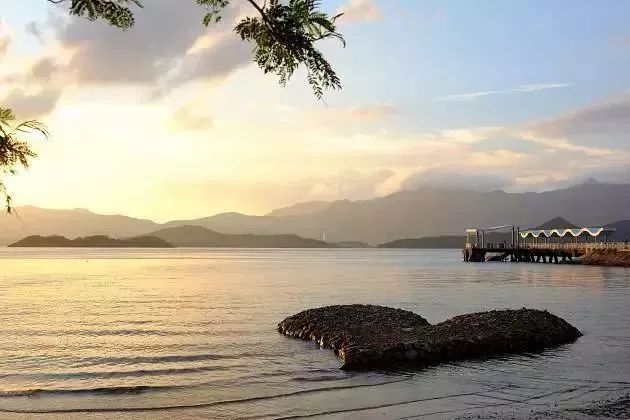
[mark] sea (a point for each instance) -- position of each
(192, 333)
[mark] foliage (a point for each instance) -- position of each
(116, 12)
(14, 151)
(284, 36)
(284, 33)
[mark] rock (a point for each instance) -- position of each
(411, 355)
(607, 257)
(367, 336)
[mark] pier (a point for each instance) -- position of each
(561, 245)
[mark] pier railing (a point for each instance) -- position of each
(622, 246)
(540, 252)
(582, 246)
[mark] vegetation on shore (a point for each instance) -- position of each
(97, 241)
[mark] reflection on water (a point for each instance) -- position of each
(183, 333)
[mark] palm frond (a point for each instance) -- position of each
(15, 151)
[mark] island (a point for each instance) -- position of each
(96, 241)
(200, 237)
(428, 242)
(369, 336)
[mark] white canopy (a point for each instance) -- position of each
(548, 233)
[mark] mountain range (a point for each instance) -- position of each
(197, 236)
(426, 211)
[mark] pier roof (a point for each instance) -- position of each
(490, 229)
(548, 233)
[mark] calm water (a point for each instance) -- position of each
(191, 333)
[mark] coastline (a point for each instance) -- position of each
(606, 408)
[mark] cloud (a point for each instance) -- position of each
(32, 105)
(5, 39)
(496, 158)
(154, 55)
(350, 114)
(554, 180)
(34, 29)
(349, 184)
(355, 11)
(541, 86)
(452, 178)
(155, 49)
(518, 89)
(4, 45)
(215, 62)
(35, 91)
(531, 156)
(601, 119)
(188, 118)
(470, 95)
(45, 69)
(564, 144)
(42, 71)
(518, 145)
(263, 195)
(372, 112)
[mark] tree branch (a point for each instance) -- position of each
(265, 18)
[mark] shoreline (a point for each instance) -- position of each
(598, 258)
(605, 408)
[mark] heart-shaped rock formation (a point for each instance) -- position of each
(368, 336)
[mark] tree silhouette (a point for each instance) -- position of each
(14, 151)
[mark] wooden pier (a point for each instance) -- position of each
(555, 246)
(534, 255)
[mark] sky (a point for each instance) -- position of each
(171, 120)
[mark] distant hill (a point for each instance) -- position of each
(622, 230)
(28, 220)
(424, 212)
(197, 236)
(429, 211)
(427, 242)
(557, 223)
(97, 241)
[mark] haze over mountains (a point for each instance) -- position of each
(197, 236)
(406, 214)
(29, 220)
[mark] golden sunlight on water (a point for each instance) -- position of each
(183, 333)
